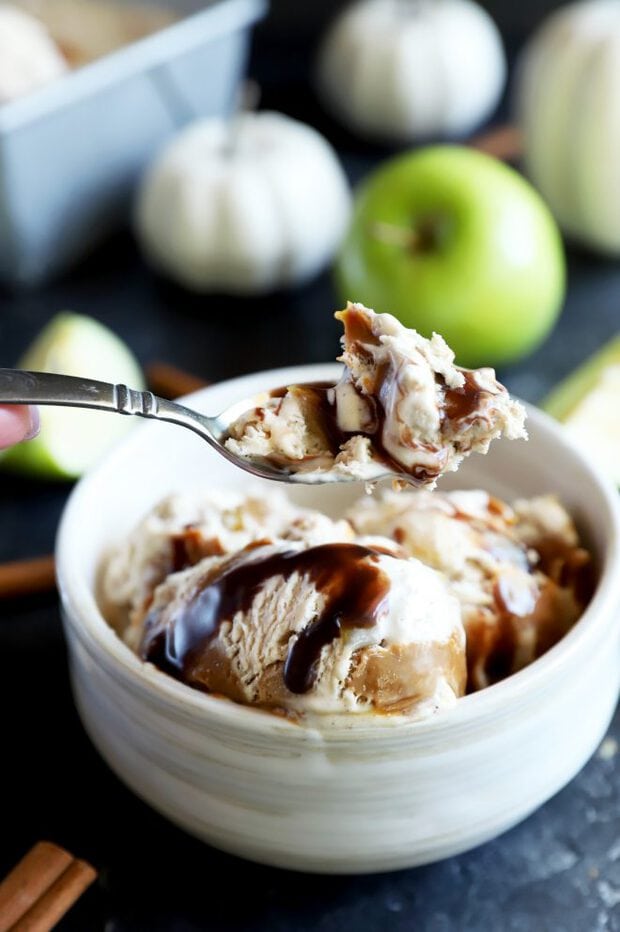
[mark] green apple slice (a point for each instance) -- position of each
(70, 441)
(587, 402)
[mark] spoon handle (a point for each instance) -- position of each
(45, 388)
(18, 387)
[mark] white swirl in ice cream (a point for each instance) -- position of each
(401, 407)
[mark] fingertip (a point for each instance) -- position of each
(34, 424)
(17, 423)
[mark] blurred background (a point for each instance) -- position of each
(291, 21)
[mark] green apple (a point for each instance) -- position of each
(451, 240)
(564, 399)
(70, 441)
(587, 402)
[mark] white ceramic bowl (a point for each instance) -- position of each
(351, 797)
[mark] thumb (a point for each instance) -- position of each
(17, 422)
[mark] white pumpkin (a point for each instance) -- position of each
(408, 69)
(568, 107)
(246, 206)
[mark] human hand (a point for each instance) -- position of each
(17, 423)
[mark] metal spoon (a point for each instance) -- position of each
(42, 388)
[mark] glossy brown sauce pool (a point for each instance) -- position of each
(462, 403)
(353, 585)
(356, 327)
(189, 546)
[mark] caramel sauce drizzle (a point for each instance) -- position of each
(354, 588)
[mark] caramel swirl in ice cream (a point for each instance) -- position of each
(520, 574)
(276, 606)
(402, 608)
(354, 588)
(318, 402)
(400, 407)
(463, 403)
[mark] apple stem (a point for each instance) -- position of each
(423, 237)
(393, 235)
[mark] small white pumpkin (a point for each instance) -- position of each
(568, 107)
(246, 206)
(402, 70)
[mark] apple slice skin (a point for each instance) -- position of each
(490, 278)
(36, 462)
(564, 398)
(70, 440)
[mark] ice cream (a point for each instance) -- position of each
(274, 605)
(185, 528)
(519, 573)
(28, 55)
(339, 627)
(413, 600)
(401, 407)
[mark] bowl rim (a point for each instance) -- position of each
(81, 611)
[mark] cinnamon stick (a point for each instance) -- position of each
(171, 382)
(57, 899)
(27, 577)
(504, 142)
(41, 888)
(29, 880)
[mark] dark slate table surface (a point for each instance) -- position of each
(559, 871)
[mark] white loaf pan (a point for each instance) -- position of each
(72, 151)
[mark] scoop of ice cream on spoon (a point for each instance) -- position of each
(401, 408)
